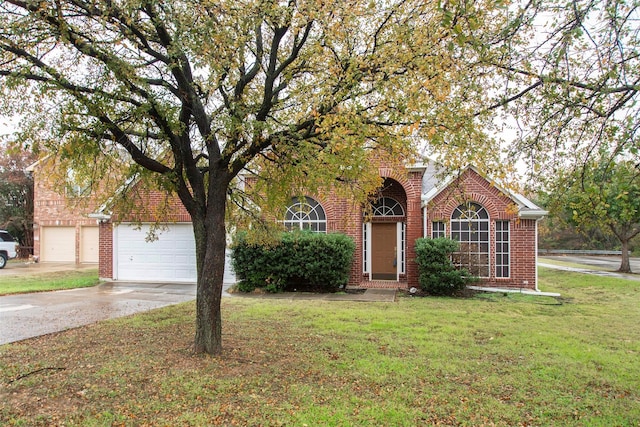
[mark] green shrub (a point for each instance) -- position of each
(298, 260)
(437, 274)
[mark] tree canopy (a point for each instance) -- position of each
(16, 194)
(186, 95)
(604, 194)
(193, 93)
(571, 82)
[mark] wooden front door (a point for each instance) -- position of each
(384, 251)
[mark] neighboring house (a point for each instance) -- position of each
(497, 230)
(62, 230)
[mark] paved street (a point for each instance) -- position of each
(598, 265)
(611, 263)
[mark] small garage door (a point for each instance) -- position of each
(89, 238)
(170, 258)
(58, 244)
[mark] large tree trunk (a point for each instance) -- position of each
(625, 266)
(210, 254)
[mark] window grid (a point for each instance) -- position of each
(305, 215)
(470, 227)
(386, 206)
(438, 229)
(502, 249)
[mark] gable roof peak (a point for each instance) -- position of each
(437, 178)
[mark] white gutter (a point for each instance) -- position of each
(100, 217)
(532, 213)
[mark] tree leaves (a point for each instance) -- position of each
(572, 82)
(308, 94)
(604, 194)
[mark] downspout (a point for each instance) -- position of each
(424, 221)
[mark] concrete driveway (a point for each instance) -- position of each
(30, 315)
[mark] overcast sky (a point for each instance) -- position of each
(7, 125)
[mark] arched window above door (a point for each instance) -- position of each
(386, 206)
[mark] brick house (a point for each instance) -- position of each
(62, 230)
(497, 230)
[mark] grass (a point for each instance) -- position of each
(49, 282)
(489, 360)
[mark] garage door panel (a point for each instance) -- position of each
(58, 244)
(89, 244)
(170, 258)
(182, 259)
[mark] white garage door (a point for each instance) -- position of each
(58, 244)
(170, 258)
(89, 238)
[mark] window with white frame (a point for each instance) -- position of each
(386, 206)
(365, 253)
(403, 240)
(76, 185)
(438, 229)
(305, 214)
(502, 249)
(470, 226)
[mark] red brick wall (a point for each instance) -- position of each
(347, 217)
(154, 206)
(471, 187)
(105, 264)
(53, 208)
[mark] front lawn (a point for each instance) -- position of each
(51, 281)
(493, 359)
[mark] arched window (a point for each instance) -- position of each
(386, 206)
(306, 214)
(470, 226)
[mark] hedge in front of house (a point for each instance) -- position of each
(437, 274)
(298, 260)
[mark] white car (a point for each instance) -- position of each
(8, 248)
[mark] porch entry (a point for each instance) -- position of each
(384, 251)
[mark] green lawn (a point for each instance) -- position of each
(52, 281)
(493, 359)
